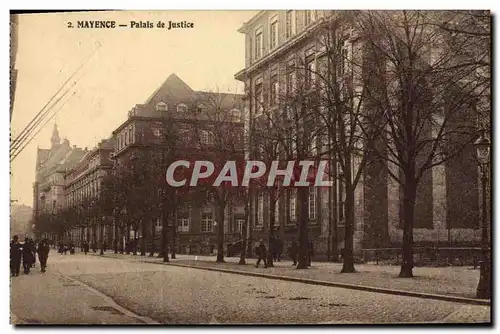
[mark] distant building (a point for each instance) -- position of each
(83, 186)
(51, 166)
(141, 141)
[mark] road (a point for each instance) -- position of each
(79, 289)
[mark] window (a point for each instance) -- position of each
(344, 60)
(310, 72)
(131, 136)
(183, 225)
(201, 108)
(274, 89)
(291, 78)
(236, 114)
(206, 223)
(260, 211)
(274, 32)
(206, 138)
(182, 107)
(290, 26)
(238, 225)
(126, 137)
(312, 203)
(259, 99)
(161, 106)
(258, 44)
(293, 206)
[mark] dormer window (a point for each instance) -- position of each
(161, 106)
(182, 107)
(236, 114)
(201, 108)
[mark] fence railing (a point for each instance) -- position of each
(465, 255)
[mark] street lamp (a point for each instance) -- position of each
(482, 145)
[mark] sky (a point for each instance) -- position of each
(127, 67)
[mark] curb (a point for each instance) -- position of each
(447, 298)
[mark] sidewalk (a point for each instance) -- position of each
(448, 281)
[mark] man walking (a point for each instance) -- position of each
(43, 254)
(15, 256)
(261, 254)
(28, 255)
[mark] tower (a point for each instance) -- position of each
(55, 140)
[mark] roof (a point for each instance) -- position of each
(72, 158)
(43, 154)
(174, 91)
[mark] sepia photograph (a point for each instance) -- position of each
(250, 167)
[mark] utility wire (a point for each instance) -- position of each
(41, 114)
(48, 120)
(15, 154)
(20, 144)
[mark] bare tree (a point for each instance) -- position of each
(420, 97)
(217, 131)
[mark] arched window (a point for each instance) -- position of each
(161, 106)
(181, 107)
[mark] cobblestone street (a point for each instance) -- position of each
(452, 281)
(104, 290)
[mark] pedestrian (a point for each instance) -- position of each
(261, 254)
(15, 256)
(279, 248)
(43, 254)
(293, 251)
(85, 247)
(310, 252)
(27, 255)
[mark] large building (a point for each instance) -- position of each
(51, 167)
(447, 207)
(82, 186)
(177, 119)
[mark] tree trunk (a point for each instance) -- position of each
(174, 232)
(251, 217)
(82, 238)
(127, 240)
(303, 197)
(244, 232)
(348, 256)
(153, 235)
(409, 194)
(220, 232)
(165, 238)
(272, 217)
(101, 237)
(144, 235)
